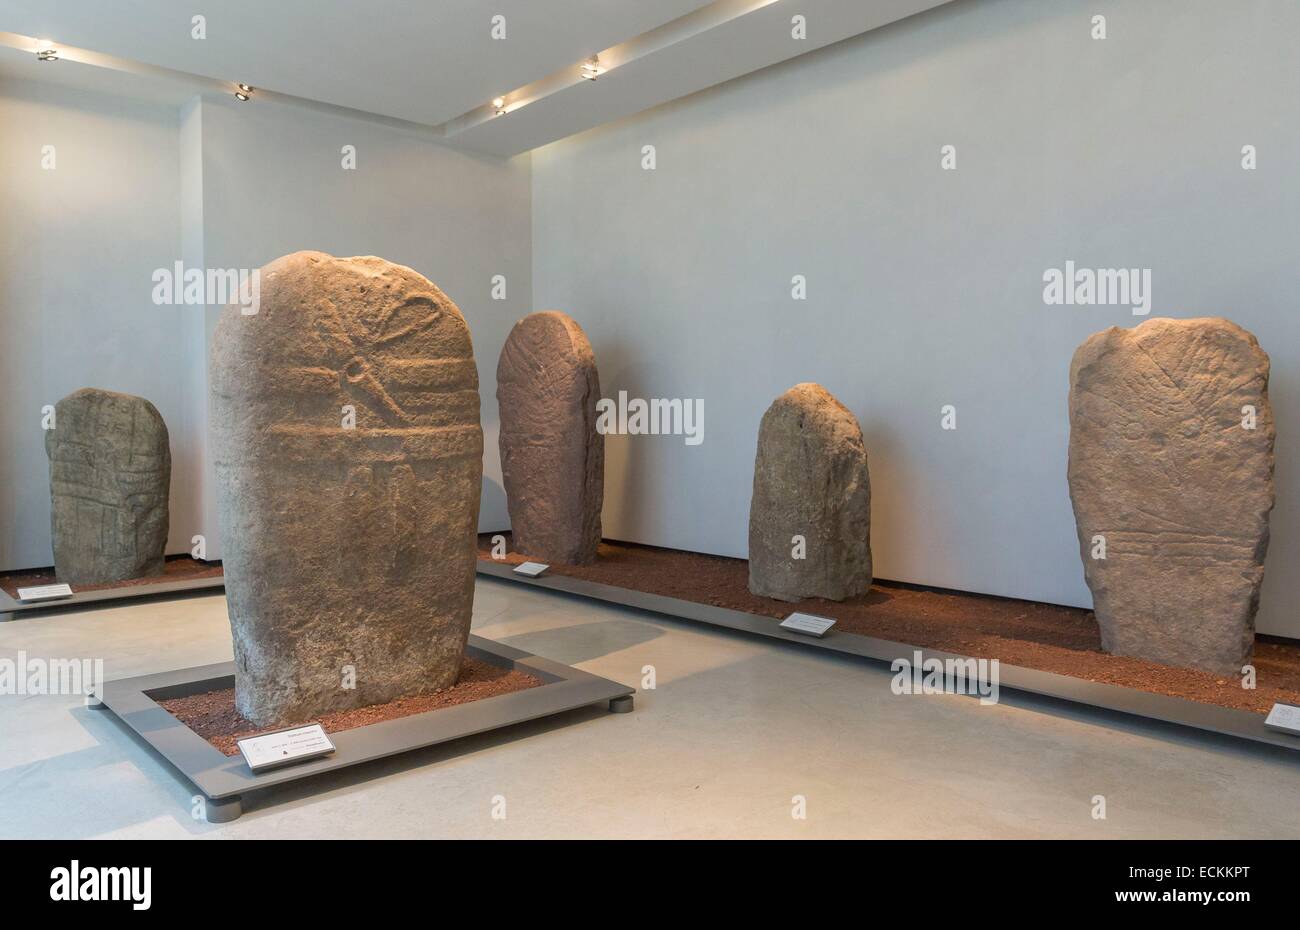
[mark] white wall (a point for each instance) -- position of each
(925, 286)
(273, 183)
(217, 184)
(78, 246)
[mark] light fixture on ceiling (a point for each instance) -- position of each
(499, 106)
(592, 68)
(243, 93)
(45, 50)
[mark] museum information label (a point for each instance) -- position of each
(531, 569)
(48, 592)
(285, 747)
(1285, 718)
(808, 624)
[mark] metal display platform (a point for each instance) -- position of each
(10, 606)
(226, 780)
(1212, 718)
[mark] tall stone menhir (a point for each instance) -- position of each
(345, 546)
(810, 481)
(552, 457)
(110, 472)
(1171, 475)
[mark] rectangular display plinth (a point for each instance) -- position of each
(10, 606)
(1239, 724)
(225, 781)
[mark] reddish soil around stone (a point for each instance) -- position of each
(176, 568)
(1064, 640)
(212, 715)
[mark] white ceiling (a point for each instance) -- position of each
(420, 60)
(693, 61)
(434, 62)
(19, 65)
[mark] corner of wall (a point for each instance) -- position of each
(197, 335)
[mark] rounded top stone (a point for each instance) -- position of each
(817, 407)
(86, 396)
(554, 330)
(360, 330)
(545, 344)
(1166, 333)
(109, 415)
(392, 303)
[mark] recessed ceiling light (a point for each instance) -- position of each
(45, 50)
(240, 95)
(499, 105)
(243, 93)
(245, 88)
(591, 68)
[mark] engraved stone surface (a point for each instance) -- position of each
(552, 457)
(110, 473)
(1170, 484)
(349, 550)
(810, 480)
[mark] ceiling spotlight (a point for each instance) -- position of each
(245, 88)
(45, 50)
(499, 105)
(591, 68)
(243, 93)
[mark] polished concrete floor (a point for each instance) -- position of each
(734, 733)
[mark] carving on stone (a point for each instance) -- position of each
(1171, 478)
(349, 542)
(110, 474)
(810, 481)
(552, 457)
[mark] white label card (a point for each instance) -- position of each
(1284, 718)
(47, 592)
(300, 744)
(807, 623)
(531, 569)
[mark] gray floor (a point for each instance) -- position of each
(735, 730)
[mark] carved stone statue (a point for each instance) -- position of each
(110, 473)
(1171, 475)
(348, 453)
(552, 457)
(810, 514)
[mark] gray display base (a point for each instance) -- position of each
(225, 781)
(9, 605)
(1240, 724)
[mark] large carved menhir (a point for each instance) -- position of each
(552, 457)
(810, 481)
(1171, 475)
(110, 471)
(345, 547)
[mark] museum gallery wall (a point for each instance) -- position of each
(884, 376)
(800, 225)
(212, 186)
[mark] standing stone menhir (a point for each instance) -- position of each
(552, 457)
(110, 474)
(345, 546)
(1171, 475)
(810, 480)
